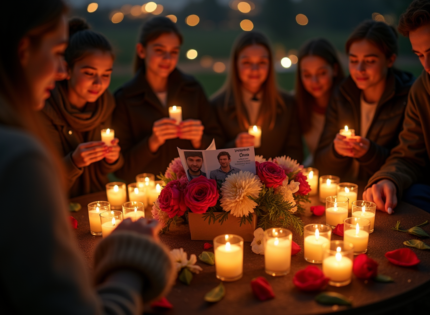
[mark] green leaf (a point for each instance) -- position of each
(418, 232)
(216, 294)
(74, 207)
(207, 258)
(332, 298)
(383, 278)
(186, 276)
(417, 244)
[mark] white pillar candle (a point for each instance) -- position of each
(277, 256)
(107, 136)
(94, 216)
(116, 195)
(327, 189)
(108, 227)
(146, 181)
(256, 132)
(137, 193)
(338, 268)
(314, 247)
(134, 215)
(351, 195)
(347, 132)
(229, 261)
(358, 238)
(154, 193)
(175, 112)
(367, 215)
(336, 215)
(313, 182)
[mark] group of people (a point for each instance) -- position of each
(58, 152)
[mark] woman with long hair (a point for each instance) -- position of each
(42, 268)
(250, 96)
(372, 101)
(149, 138)
(80, 107)
(318, 74)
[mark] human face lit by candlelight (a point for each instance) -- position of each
(253, 65)
(420, 41)
(317, 76)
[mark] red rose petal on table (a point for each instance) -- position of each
(318, 210)
(74, 222)
(262, 289)
(310, 279)
(365, 267)
(338, 230)
(207, 246)
(403, 257)
(295, 248)
(162, 303)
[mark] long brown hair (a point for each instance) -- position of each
(232, 85)
(321, 48)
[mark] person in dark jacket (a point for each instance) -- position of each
(372, 101)
(148, 136)
(80, 107)
(250, 97)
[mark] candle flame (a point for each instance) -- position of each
(338, 256)
(346, 189)
(107, 131)
(136, 190)
(317, 234)
(227, 246)
(328, 182)
(363, 209)
(346, 128)
(113, 221)
(357, 229)
(335, 206)
(146, 179)
(226, 237)
(158, 188)
(276, 241)
(174, 108)
(135, 209)
(311, 174)
(255, 128)
(115, 188)
(338, 249)
(97, 209)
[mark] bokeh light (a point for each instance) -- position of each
(302, 19)
(126, 8)
(192, 54)
(246, 25)
(92, 7)
(192, 20)
(244, 7)
(219, 67)
(286, 62)
(378, 17)
(293, 59)
(158, 10)
(172, 17)
(150, 7)
(117, 17)
(136, 10)
(206, 61)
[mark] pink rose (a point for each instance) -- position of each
(175, 168)
(304, 187)
(200, 194)
(270, 174)
(171, 199)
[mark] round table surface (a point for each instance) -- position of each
(411, 284)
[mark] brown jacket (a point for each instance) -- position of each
(283, 139)
(409, 161)
(67, 133)
(138, 108)
(383, 132)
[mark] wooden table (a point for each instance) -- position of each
(410, 290)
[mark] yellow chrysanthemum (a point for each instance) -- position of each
(236, 191)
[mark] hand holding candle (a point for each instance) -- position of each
(107, 136)
(175, 112)
(256, 132)
(348, 133)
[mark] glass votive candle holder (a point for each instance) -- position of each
(348, 190)
(347, 132)
(136, 193)
(365, 209)
(145, 180)
(116, 194)
(337, 262)
(312, 175)
(133, 210)
(336, 210)
(316, 236)
(228, 251)
(155, 192)
(94, 210)
(109, 221)
(277, 251)
(356, 232)
(328, 186)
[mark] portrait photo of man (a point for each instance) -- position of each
(225, 169)
(194, 164)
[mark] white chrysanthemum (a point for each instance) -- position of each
(236, 191)
(260, 159)
(288, 164)
(258, 242)
(287, 193)
(180, 258)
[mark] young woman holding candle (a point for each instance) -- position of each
(80, 107)
(250, 97)
(44, 265)
(148, 136)
(318, 74)
(372, 100)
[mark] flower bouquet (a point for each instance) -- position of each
(275, 196)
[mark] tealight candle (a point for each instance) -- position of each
(312, 176)
(94, 210)
(133, 210)
(347, 132)
(277, 251)
(316, 235)
(328, 186)
(348, 190)
(136, 193)
(155, 192)
(356, 232)
(337, 263)
(107, 136)
(365, 209)
(116, 194)
(145, 180)
(256, 132)
(109, 221)
(336, 210)
(175, 112)
(228, 251)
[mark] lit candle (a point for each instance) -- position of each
(175, 112)
(277, 251)
(108, 227)
(94, 210)
(358, 236)
(366, 210)
(338, 268)
(314, 247)
(348, 190)
(137, 193)
(228, 257)
(312, 175)
(154, 193)
(116, 194)
(135, 215)
(347, 132)
(109, 221)
(328, 187)
(107, 136)
(337, 213)
(256, 132)
(146, 181)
